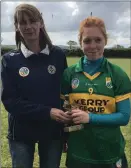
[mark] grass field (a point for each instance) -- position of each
(5, 156)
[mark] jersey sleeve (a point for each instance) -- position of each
(120, 118)
(65, 83)
(122, 88)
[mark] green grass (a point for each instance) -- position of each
(5, 156)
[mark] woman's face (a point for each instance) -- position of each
(28, 28)
(93, 42)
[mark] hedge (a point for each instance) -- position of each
(110, 53)
(6, 49)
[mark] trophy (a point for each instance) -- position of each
(68, 107)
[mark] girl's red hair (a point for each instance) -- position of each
(92, 22)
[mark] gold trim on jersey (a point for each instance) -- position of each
(93, 76)
(94, 103)
(123, 97)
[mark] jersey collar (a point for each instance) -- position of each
(79, 65)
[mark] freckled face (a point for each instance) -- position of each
(93, 42)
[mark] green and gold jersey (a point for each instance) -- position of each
(97, 94)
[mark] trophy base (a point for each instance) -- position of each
(73, 128)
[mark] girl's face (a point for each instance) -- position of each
(93, 42)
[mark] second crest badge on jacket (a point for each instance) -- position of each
(51, 69)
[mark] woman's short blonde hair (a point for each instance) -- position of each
(92, 22)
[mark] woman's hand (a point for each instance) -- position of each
(79, 116)
(59, 115)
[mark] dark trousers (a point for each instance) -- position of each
(85, 165)
(22, 154)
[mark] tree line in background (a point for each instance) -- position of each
(117, 51)
(74, 50)
(73, 44)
